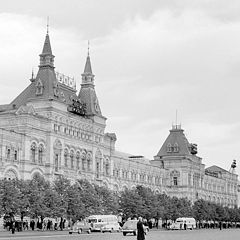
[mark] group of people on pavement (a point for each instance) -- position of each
(13, 225)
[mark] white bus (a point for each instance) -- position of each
(104, 223)
(180, 222)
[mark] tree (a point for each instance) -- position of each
(37, 188)
(131, 204)
(10, 197)
(109, 201)
(61, 186)
(200, 210)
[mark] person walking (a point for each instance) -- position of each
(220, 225)
(140, 229)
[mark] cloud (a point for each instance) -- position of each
(181, 55)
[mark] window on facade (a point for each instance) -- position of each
(98, 169)
(8, 153)
(39, 88)
(89, 164)
(55, 127)
(72, 159)
(65, 158)
(56, 162)
(83, 162)
(175, 181)
(107, 169)
(176, 148)
(40, 154)
(169, 148)
(78, 161)
(15, 155)
(33, 152)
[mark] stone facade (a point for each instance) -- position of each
(51, 130)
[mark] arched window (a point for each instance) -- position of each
(66, 158)
(175, 148)
(15, 155)
(72, 159)
(39, 87)
(83, 157)
(169, 148)
(107, 167)
(8, 153)
(78, 160)
(98, 159)
(33, 152)
(40, 154)
(89, 160)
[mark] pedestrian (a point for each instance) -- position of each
(185, 225)
(140, 229)
(220, 225)
(12, 225)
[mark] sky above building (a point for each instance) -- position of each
(150, 58)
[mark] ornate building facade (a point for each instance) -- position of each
(51, 129)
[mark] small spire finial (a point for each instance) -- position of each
(176, 117)
(88, 47)
(47, 24)
(32, 77)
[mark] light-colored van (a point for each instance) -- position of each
(104, 223)
(183, 223)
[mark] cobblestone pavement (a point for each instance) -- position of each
(226, 234)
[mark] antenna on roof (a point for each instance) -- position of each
(47, 24)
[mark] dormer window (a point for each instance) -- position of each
(39, 87)
(169, 148)
(175, 148)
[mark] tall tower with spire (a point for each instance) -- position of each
(87, 92)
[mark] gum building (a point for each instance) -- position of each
(51, 129)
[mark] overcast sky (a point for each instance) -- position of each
(150, 58)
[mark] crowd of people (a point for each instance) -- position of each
(46, 224)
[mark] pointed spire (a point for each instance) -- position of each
(88, 67)
(46, 57)
(47, 46)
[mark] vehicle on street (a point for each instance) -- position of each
(111, 227)
(180, 224)
(80, 227)
(130, 226)
(104, 223)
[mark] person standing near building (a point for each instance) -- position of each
(140, 229)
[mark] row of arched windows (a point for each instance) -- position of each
(134, 176)
(77, 161)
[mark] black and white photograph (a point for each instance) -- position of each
(119, 119)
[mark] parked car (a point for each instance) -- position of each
(130, 226)
(111, 227)
(80, 227)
